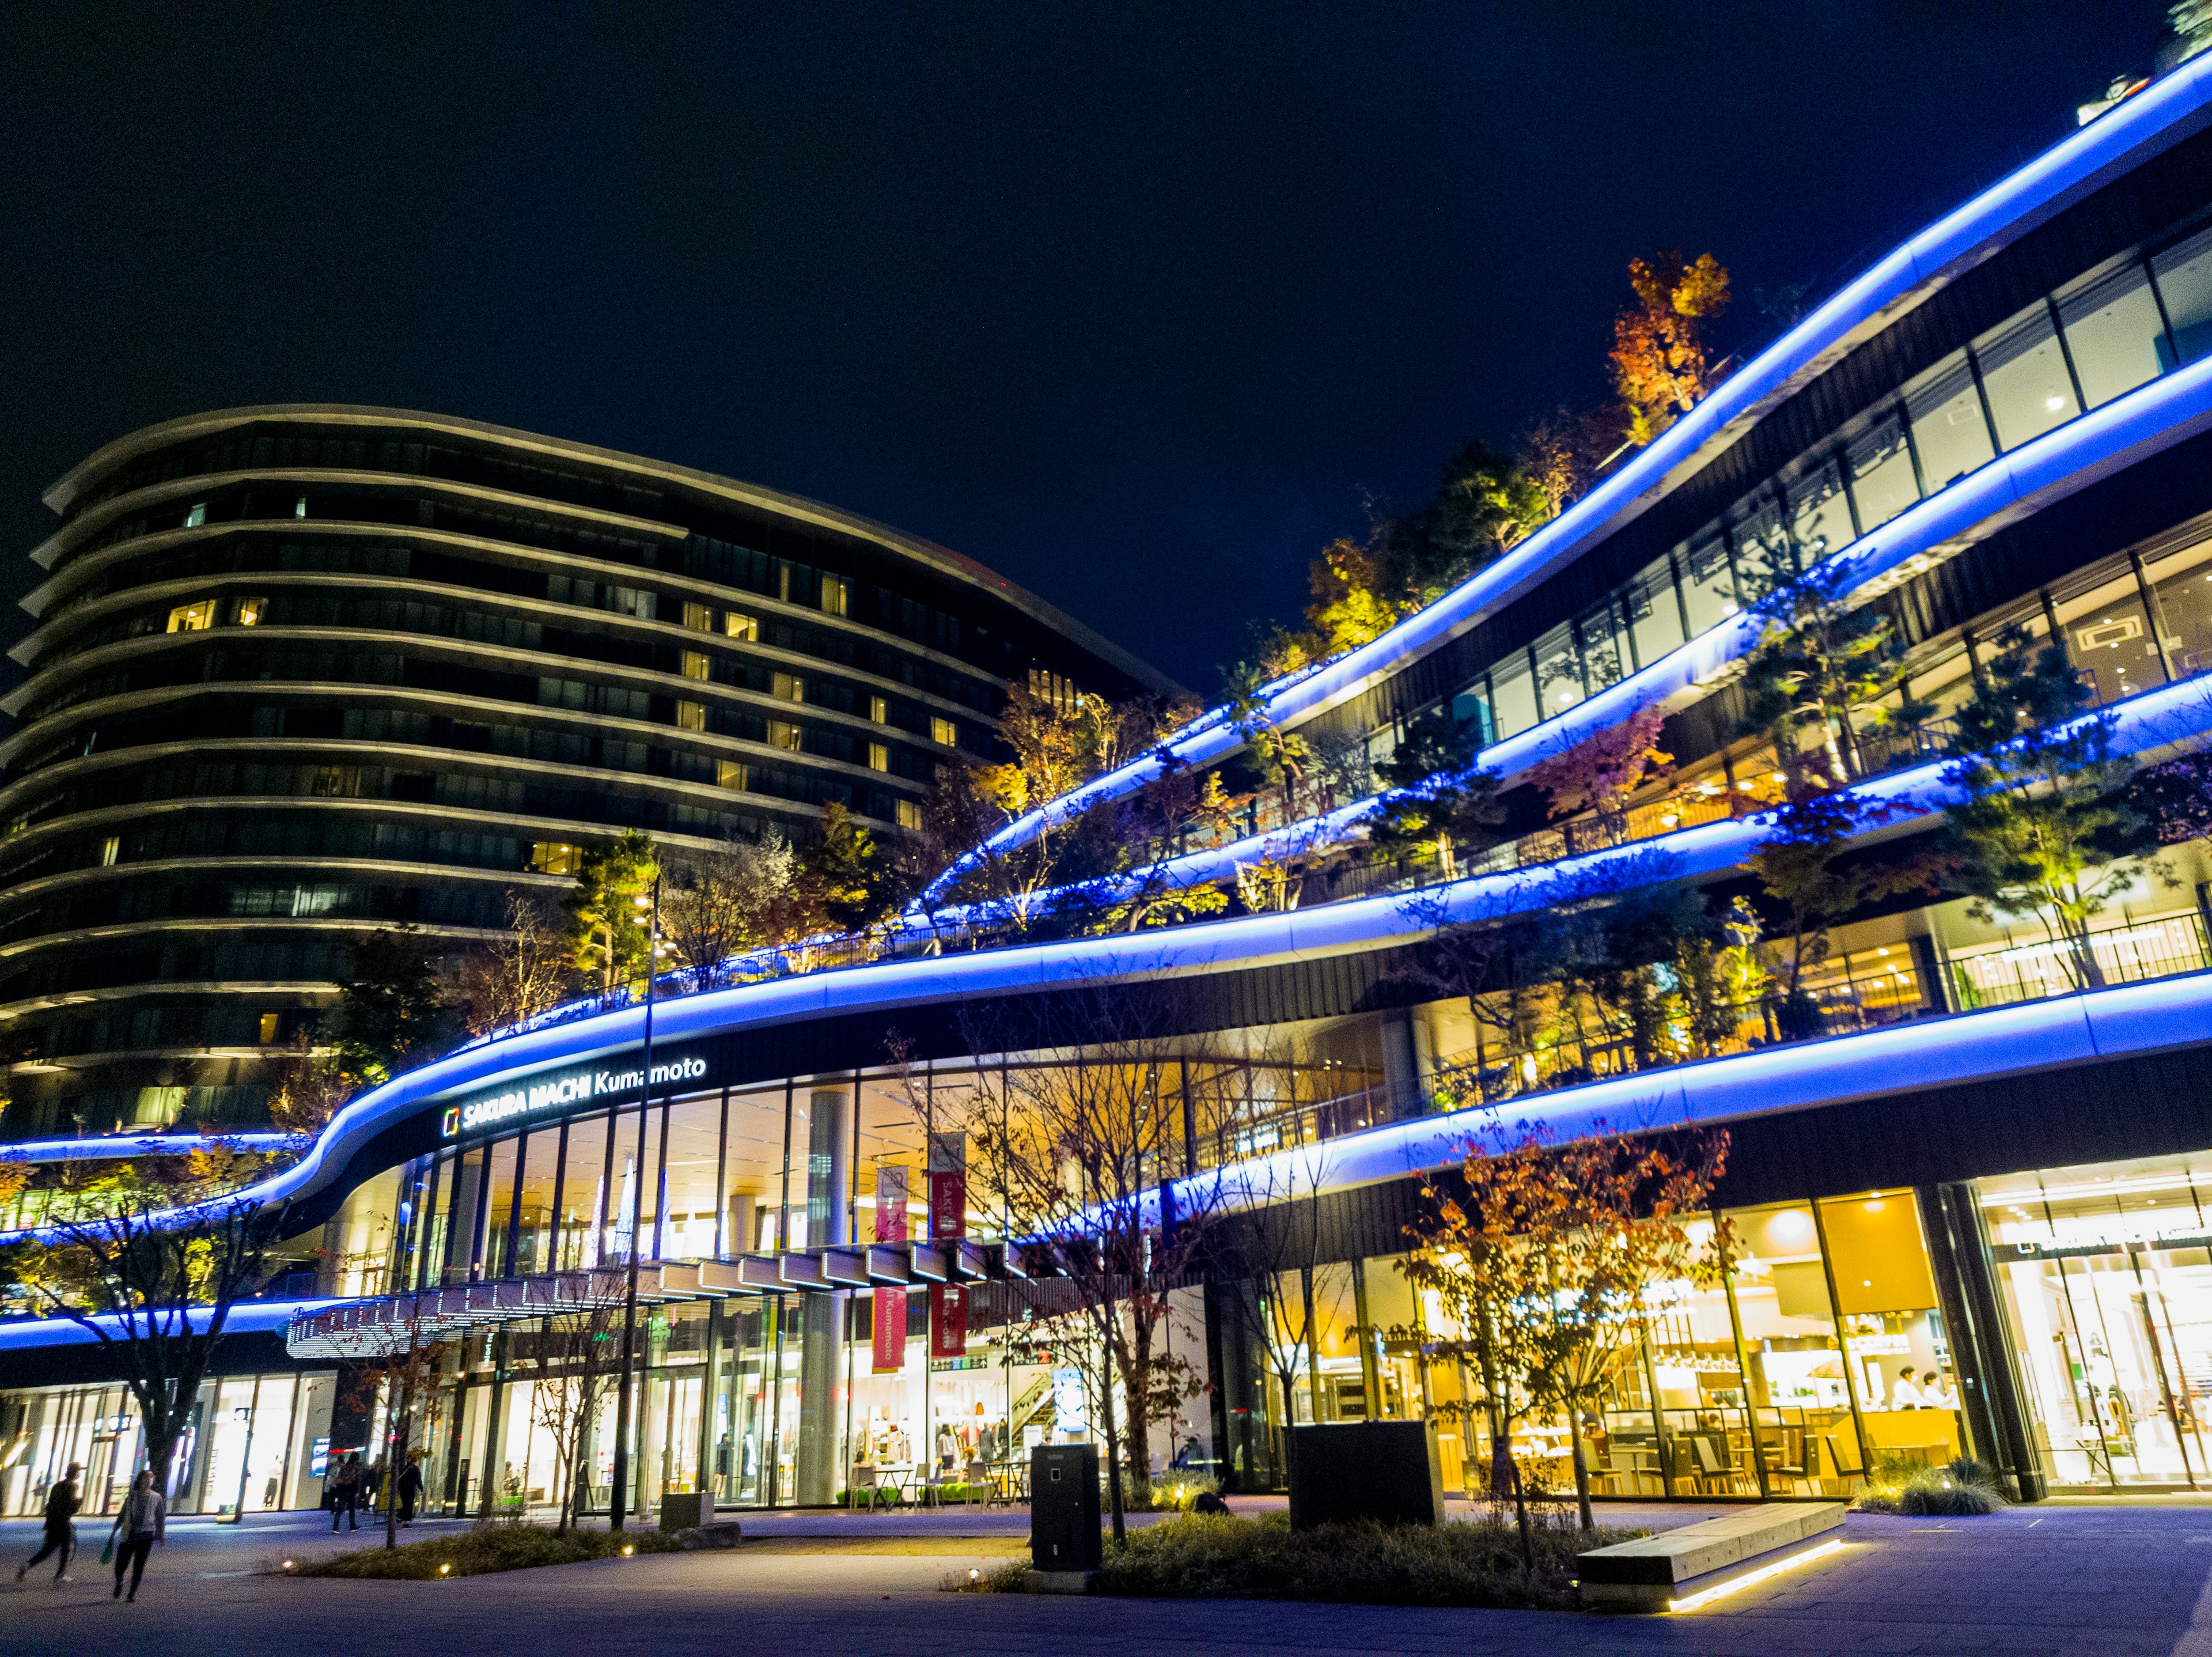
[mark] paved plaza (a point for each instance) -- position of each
(2121, 1579)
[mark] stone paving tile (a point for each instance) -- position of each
(2123, 1581)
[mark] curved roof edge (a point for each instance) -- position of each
(2173, 108)
(73, 482)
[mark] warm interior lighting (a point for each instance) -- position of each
(1697, 1602)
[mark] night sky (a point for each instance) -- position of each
(1140, 305)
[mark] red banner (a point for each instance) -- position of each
(890, 1322)
(948, 1219)
(948, 1321)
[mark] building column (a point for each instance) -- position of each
(710, 1385)
(1980, 1337)
(829, 1168)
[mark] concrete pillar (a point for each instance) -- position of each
(821, 1422)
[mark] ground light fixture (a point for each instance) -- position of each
(628, 1548)
(445, 1570)
(1699, 1601)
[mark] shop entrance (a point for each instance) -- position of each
(2107, 1275)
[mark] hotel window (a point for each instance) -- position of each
(690, 715)
(110, 850)
(1881, 461)
(941, 730)
(250, 612)
(1948, 427)
(1820, 516)
(879, 757)
(732, 774)
(552, 857)
(1708, 582)
(879, 711)
(299, 507)
(2184, 273)
(270, 1024)
(782, 733)
(1558, 672)
(2114, 330)
(694, 664)
(196, 516)
(2024, 372)
(909, 814)
(192, 617)
(698, 618)
(1655, 618)
(1512, 695)
(836, 595)
(741, 627)
(786, 688)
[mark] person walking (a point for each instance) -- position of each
(61, 1503)
(143, 1521)
(345, 1495)
(408, 1487)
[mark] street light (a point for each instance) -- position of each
(619, 1497)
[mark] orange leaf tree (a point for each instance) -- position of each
(1545, 1254)
(1660, 364)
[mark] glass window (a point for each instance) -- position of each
(698, 618)
(2108, 639)
(550, 857)
(740, 626)
(690, 715)
(2114, 330)
(1820, 516)
(192, 617)
(1558, 672)
(731, 774)
(879, 757)
(879, 711)
(196, 516)
(2182, 582)
(1513, 695)
(782, 733)
(941, 730)
(694, 664)
(786, 688)
(1655, 618)
(836, 595)
(910, 814)
(1605, 653)
(2185, 282)
(1471, 706)
(250, 612)
(1708, 581)
(1883, 482)
(1948, 427)
(2024, 372)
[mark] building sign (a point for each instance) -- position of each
(891, 1303)
(576, 1087)
(948, 1218)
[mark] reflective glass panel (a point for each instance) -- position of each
(2183, 582)
(2114, 330)
(1605, 653)
(1948, 427)
(1708, 582)
(1558, 672)
(1819, 517)
(1881, 470)
(1513, 693)
(2185, 282)
(2024, 372)
(1655, 618)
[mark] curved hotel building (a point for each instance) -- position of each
(300, 673)
(1963, 1186)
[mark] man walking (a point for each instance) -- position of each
(408, 1487)
(345, 1495)
(61, 1503)
(143, 1521)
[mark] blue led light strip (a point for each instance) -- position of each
(2166, 111)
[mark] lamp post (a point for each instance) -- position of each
(618, 1500)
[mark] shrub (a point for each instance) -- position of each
(491, 1546)
(1206, 1557)
(1963, 1488)
(1013, 1577)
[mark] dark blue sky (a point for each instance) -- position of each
(1138, 304)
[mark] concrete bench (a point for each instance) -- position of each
(1655, 1572)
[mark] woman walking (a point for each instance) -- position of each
(144, 1520)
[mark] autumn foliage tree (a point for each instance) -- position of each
(1543, 1254)
(1660, 363)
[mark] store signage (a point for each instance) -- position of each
(889, 1324)
(575, 1089)
(948, 1218)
